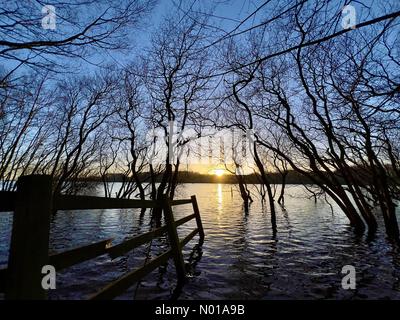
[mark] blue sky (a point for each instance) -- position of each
(226, 15)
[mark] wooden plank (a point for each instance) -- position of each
(66, 202)
(72, 257)
(198, 219)
(117, 287)
(3, 277)
(184, 220)
(189, 237)
(126, 246)
(29, 248)
(179, 202)
(7, 201)
(174, 240)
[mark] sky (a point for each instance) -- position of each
(226, 14)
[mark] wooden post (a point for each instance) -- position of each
(30, 238)
(174, 239)
(198, 218)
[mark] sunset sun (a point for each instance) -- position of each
(219, 172)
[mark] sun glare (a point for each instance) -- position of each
(219, 172)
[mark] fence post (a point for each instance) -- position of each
(198, 218)
(174, 239)
(30, 238)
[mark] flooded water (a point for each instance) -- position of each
(240, 258)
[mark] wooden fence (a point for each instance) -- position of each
(33, 205)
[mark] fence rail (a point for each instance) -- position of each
(33, 204)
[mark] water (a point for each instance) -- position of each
(240, 258)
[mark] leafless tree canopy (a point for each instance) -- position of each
(322, 99)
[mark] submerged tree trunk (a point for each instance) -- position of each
(244, 192)
(157, 212)
(174, 181)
